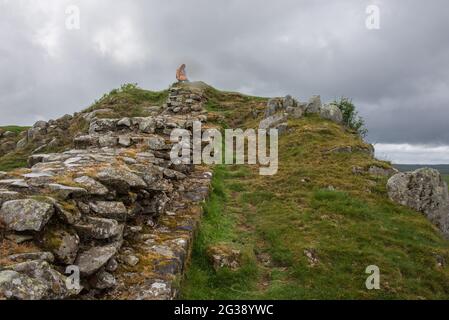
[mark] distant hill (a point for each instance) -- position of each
(443, 168)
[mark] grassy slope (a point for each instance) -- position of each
(282, 216)
(13, 160)
(127, 101)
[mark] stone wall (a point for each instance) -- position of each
(184, 100)
(115, 207)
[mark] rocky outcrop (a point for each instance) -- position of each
(314, 105)
(114, 207)
(425, 191)
(27, 214)
(331, 112)
(224, 256)
(279, 110)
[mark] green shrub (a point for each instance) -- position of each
(351, 117)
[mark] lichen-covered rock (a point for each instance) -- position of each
(21, 257)
(26, 214)
(68, 212)
(107, 141)
(42, 281)
(153, 289)
(22, 143)
(92, 260)
(92, 186)
(65, 192)
(425, 191)
(102, 125)
(332, 112)
(124, 122)
(223, 256)
(62, 242)
(103, 280)
(120, 179)
(110, 210)
(273, 121)
(99, 228)
(273, 106)
(314, 105)
(14, 285)
(86, 141)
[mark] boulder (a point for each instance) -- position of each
(156, 143)
(34, 280)
(68, 212)
(6, 195)
(102, 125)
(314, 105)
(21, 257)
(425, 191)
(63, 243)
(26, 214)
(273, 106)
(120, 179)
(99, 228)
(40, 124)
(92, 186)
(223, 256)
(145, 125)
(109, 210)
(14, 285)
(22, 143)
(273, 121)
(66, 192)
(296, 112)
(124, 140)
(130, 259)
(103, 280)
(94, 259)
(125, 122)
(86, 141)
(107, 141)
(332, 112)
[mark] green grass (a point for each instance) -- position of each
(13, 160)
(15, 129)
(218, 227)
(128, 101)
(294, 212)
(446, 178)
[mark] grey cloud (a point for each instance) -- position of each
(398, 76)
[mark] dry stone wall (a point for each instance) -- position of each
(114, 207)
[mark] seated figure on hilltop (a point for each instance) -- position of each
(181, 74)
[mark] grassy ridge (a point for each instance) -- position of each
(15, 129)
(311, 231)
(127, 101)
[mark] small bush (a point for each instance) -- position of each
(351, 117)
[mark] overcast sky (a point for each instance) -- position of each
(398, 76)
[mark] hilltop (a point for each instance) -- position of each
(308, 232)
